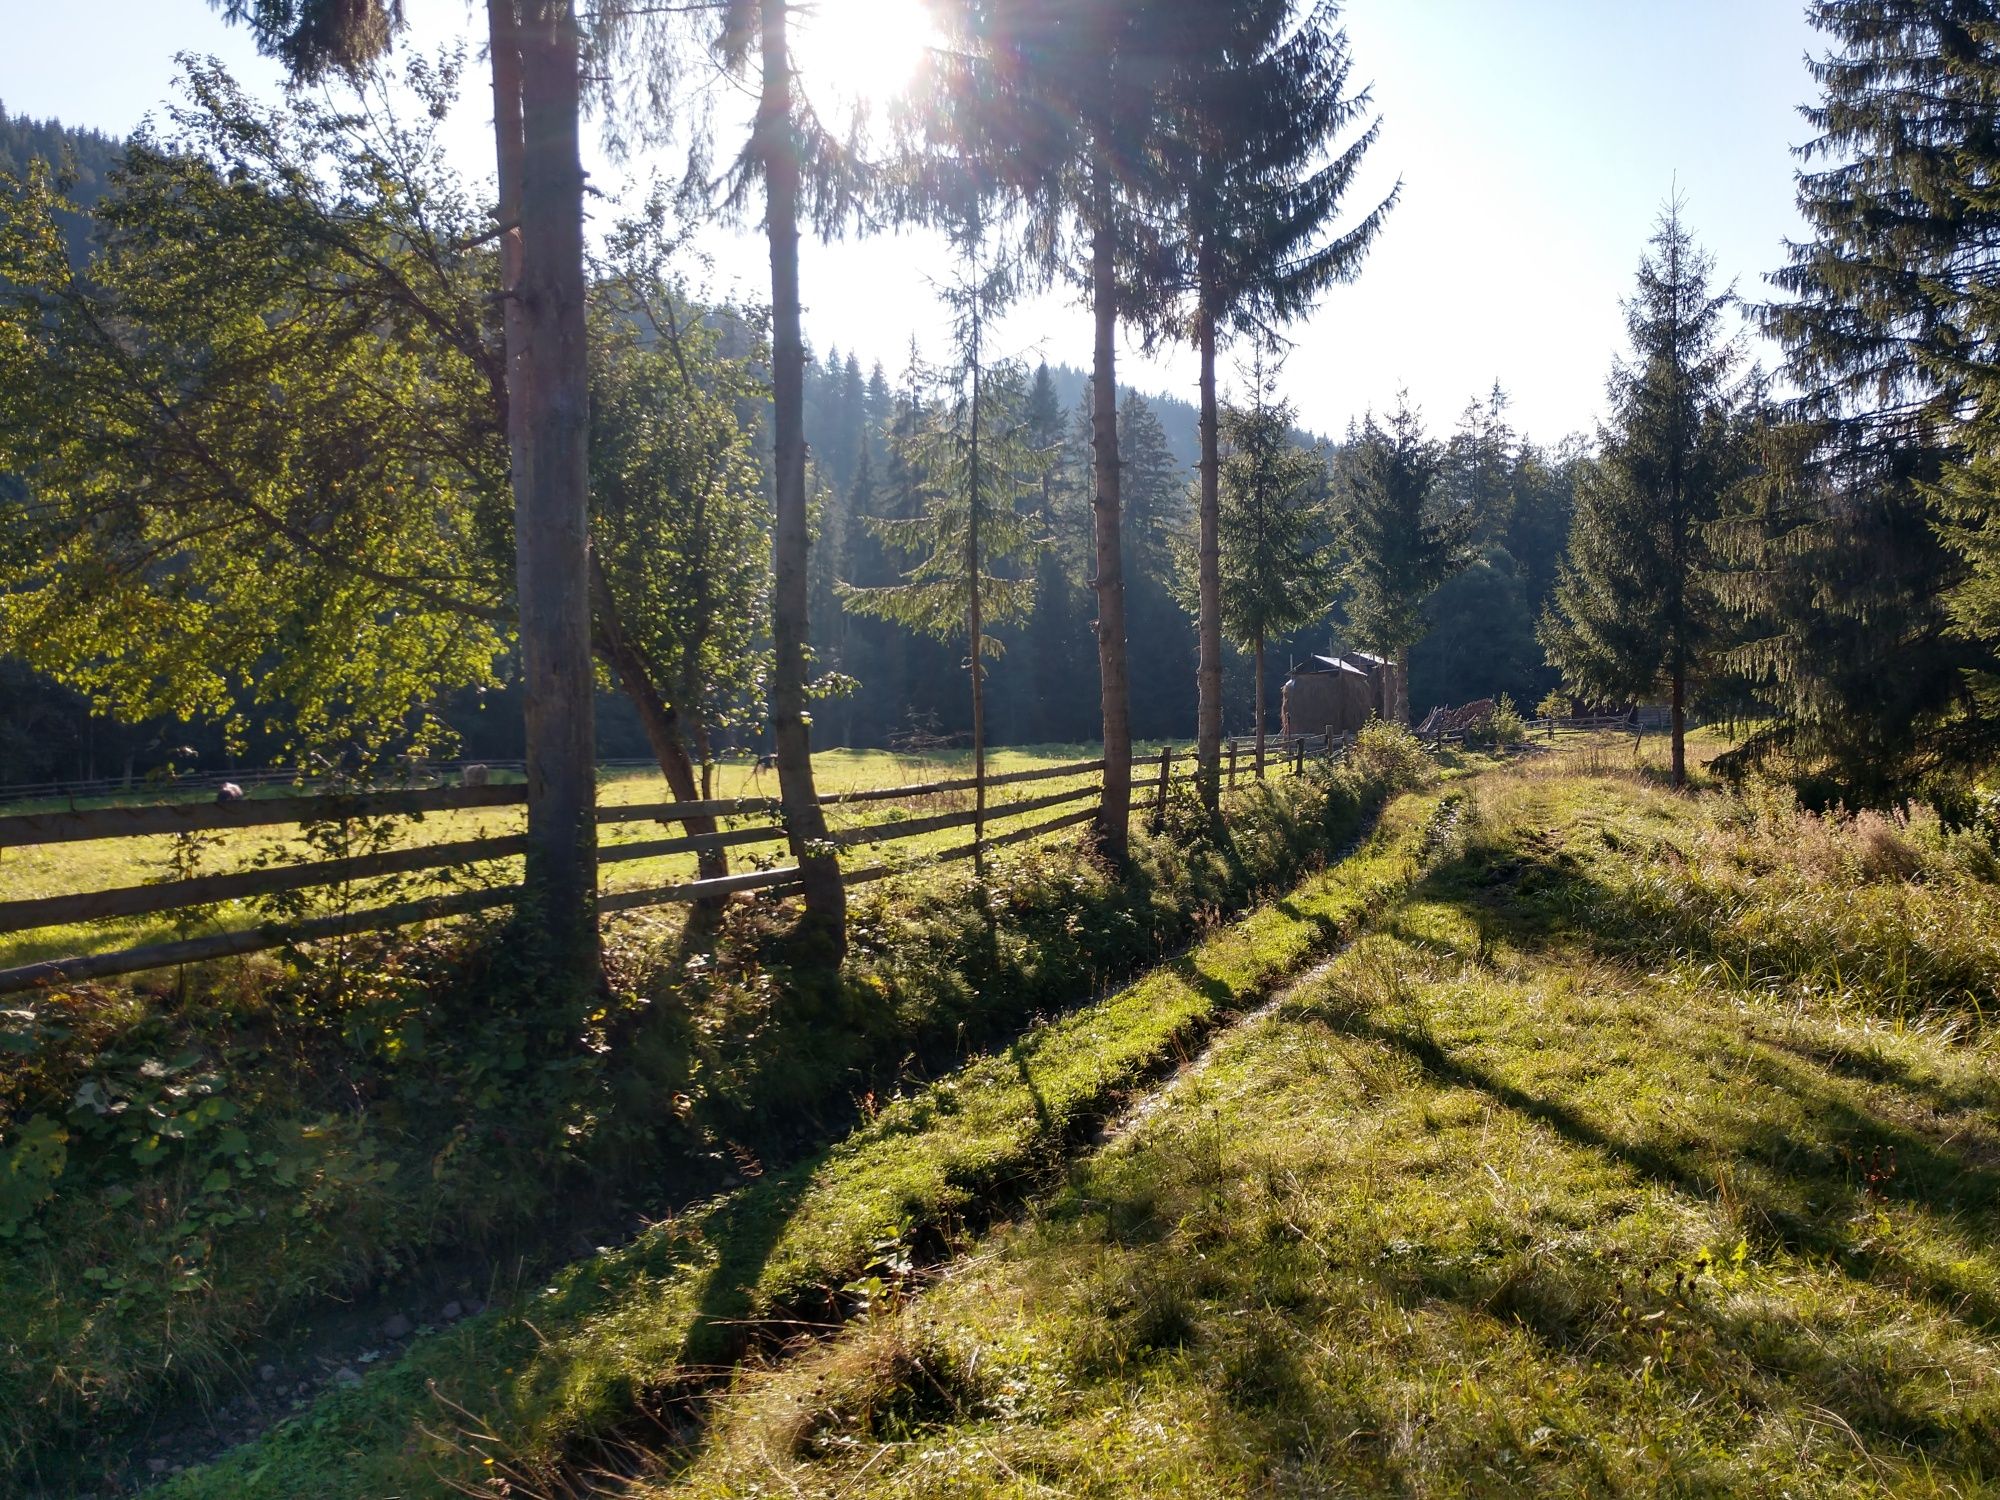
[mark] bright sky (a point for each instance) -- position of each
(1536, 140)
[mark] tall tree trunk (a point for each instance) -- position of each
(976, 626)
(791, 726)
(1208, 735)
(1680, 726)
(640, 684)
(1258, 653)
(1401, 707)
(536, 87)
(1114, 813)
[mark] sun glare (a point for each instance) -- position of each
(861, 51)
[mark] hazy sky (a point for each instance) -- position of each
(1536, 140)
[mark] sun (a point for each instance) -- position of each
(861, 52)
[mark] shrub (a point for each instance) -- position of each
(1502, 728)
(1389, 757)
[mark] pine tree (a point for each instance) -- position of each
(1870, 561)
(1635, 611)
(979, 470)
(1277, 569)
(1403, 539)
(1157, 514)
(1061, 108)
(1480, 463)
(1251, 159)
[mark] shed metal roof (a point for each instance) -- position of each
(1326, 665)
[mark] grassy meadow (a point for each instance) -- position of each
(1644, 1145)
(1563, 1135)
(209, 1166)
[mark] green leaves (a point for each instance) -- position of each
(261, 428)
(30, 1167)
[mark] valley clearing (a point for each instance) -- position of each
(1645, 1145)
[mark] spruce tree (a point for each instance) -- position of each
(979, 471)
(1277, 569)
(1635, 611)
(1156, 516)
(1252, 162)
(1058, 628)
(1869, 563)
(1403, 539)
(1058, 110)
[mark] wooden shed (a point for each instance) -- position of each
(1328, 692)
(1381, 676)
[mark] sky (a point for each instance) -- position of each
(1535, 140)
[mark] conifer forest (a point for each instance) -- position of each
(782, 748)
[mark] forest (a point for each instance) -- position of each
(1479, 637)
(597, 896)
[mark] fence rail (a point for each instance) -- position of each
(21, 830)
(29, 829)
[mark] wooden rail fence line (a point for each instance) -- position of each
(24, 830)
(21, 830)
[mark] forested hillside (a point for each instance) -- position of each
(1481, 642)
(868, 1088)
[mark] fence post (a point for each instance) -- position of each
(1160, 799)
(1232, 763)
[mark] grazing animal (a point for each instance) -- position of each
(227, 793)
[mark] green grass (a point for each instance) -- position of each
(1648, 1145)
(614, 1338)
(196, 1160)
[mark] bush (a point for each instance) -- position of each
(1387, 756)
(1500, 729)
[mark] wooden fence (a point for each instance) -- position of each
(21, 830)
(1153, 780)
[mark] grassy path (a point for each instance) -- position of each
(1603, 1165)
(613, 1346)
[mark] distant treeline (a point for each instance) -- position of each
(1044, 688)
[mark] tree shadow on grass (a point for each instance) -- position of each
(1809, 1195)
(670, 1421)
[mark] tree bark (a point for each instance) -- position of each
(791, 725)
(1208, 732)
(1258, 653)
(975, 625)
(537, 86)
(1680, 726)
(1114, 813)
(640, 684)
(1401, 707)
